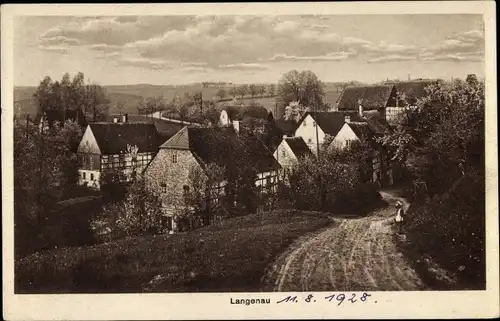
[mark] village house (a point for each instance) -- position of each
(196, 147)
(368, 129)
(290, 151)
(389, 99)
(328, 123)
(122, 147)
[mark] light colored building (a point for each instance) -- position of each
(314, 127)
(290, 151)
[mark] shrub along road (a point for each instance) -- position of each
(357, 254)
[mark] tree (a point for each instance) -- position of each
(139, 213)
(96, 102)
(271, 89)
(120, 105)
(242, 90)
(201, 196)
(261, 89)
(443, 138)
(198, 100)
(253, 89)
(294, 111)
(303, 87)
(221, 93)
(211, 114)
(45, 168)
(233, 92)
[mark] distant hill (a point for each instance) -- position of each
(131, 95)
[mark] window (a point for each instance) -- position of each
(91, 161)
(174, 158)
(185, 188)
(314, 124)
(283, 153)
(163, 188)
(104, 159)
(83, 175)
(304, 123)
(309, 140)
(348, 143)
(91, 176)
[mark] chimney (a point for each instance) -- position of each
(236, 126)
(115, 119)
(124, 118)
(360, 110)
(347, 119)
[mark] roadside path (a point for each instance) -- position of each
(357, 254)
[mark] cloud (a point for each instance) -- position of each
(464, 46)
(334, 56)
(239, 42)
(144, 63)
(55, 49)
(392, 58)
(244, 66)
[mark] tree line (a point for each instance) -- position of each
(70, 98)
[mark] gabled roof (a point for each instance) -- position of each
(361, 129)
(113, 138)
(331, 122)
(414, 89)
(165, 128)
(287, 127)
(371, 97)
(223, 146)
(298, 147)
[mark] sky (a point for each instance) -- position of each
(166, 50)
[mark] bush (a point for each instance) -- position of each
(138, 214)
(451, 230)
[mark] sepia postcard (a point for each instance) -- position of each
(250, 161)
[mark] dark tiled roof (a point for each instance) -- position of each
(331, 122)
(165, 128)
(413, 90)
(372, 97)
(113, 138)
(224, 147)
(287, 127)
(298, 146)
(362, 130)
(376, 121)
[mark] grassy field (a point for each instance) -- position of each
(231, 257)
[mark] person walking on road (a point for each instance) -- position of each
(399, 216)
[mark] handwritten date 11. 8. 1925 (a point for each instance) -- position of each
(338, 298)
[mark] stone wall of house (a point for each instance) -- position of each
(166, 176)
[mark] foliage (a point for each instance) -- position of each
(303, 87)
(138, 214)
(57, 99)
(221, 93)
(336, 183)
(45, 166)
(294, 111)
(443, 137)
(455, 221)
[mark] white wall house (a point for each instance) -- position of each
(307, 130)
(344, 137)
(290, 151)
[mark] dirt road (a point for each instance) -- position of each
(357, 254)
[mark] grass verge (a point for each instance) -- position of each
(232, 257)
